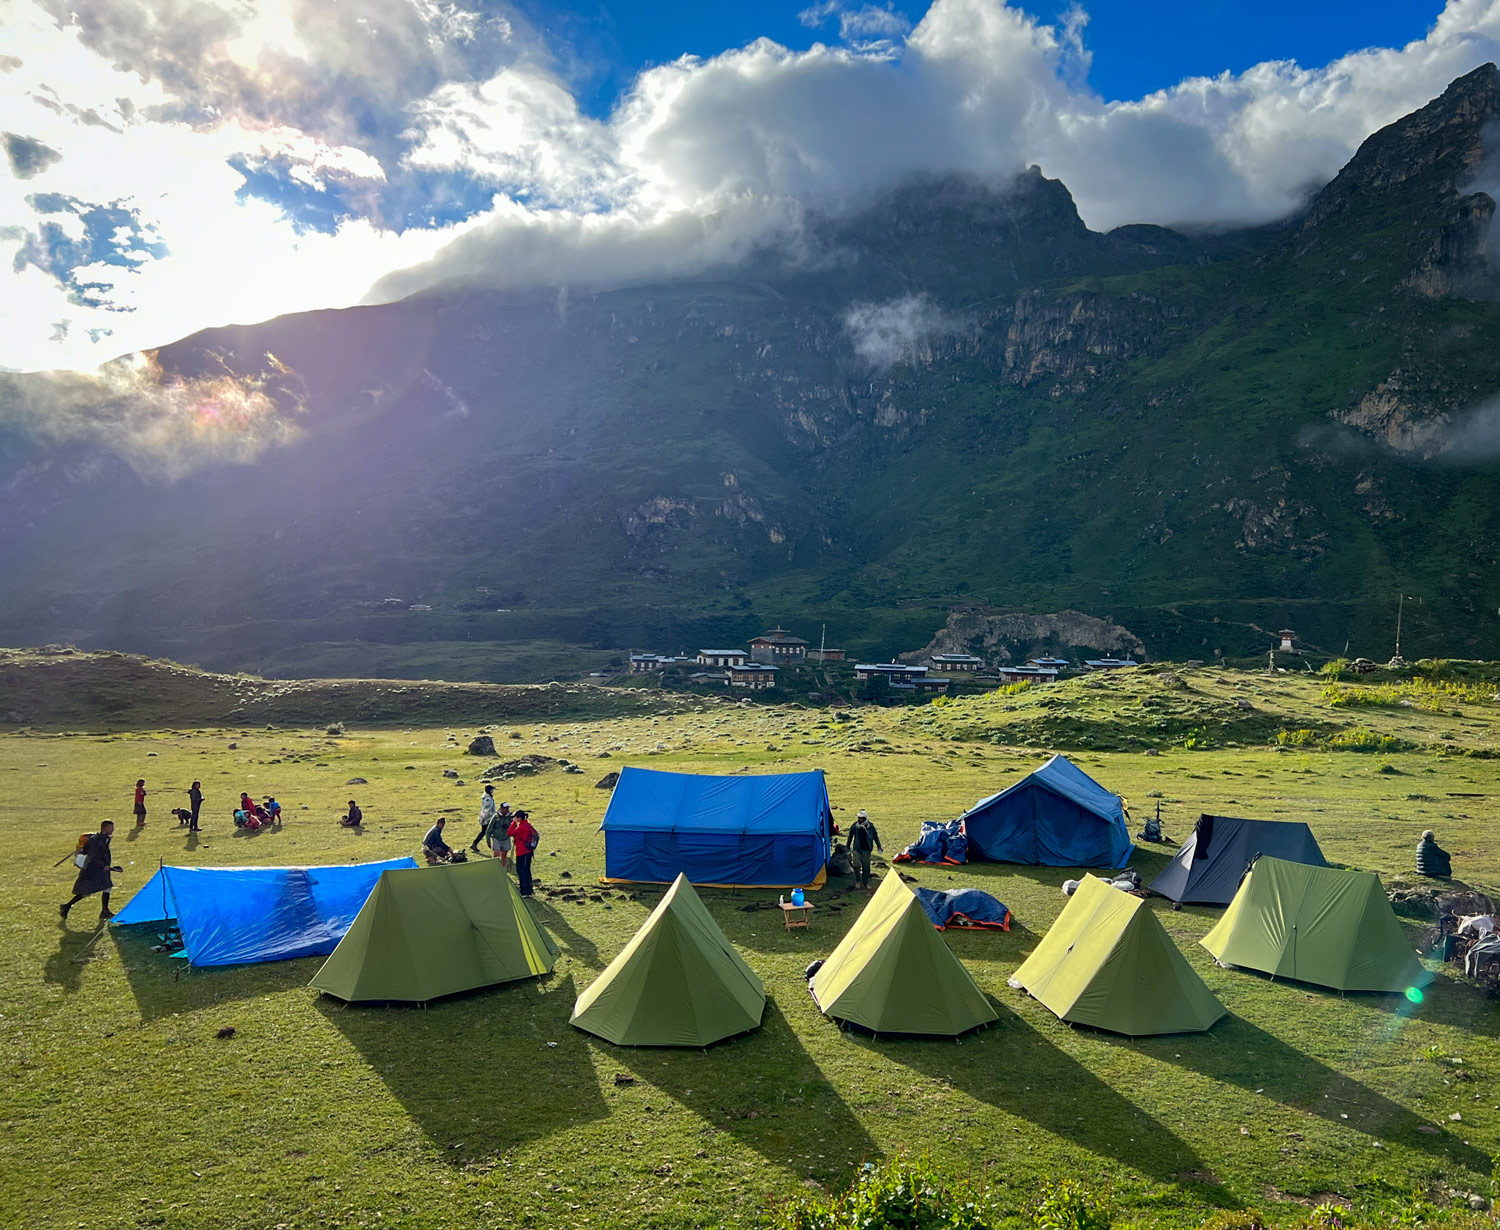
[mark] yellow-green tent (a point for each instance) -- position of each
(1322, 925)
(679, 982)
(430, 931)
(1108, 962)
(893, 973)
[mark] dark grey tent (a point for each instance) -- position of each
(1211, 863)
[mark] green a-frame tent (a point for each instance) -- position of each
(1108, 962)
(1324, 925)
(425, 932)
(679, 982)
(892, 973)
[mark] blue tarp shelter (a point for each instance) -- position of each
(941, 841)
(963, 907)
(766, 831)
(238, 915)
(1057, 816)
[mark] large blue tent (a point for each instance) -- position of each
(237, 915)
(766, 831)
(1056, 816)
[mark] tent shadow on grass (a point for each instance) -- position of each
(745, 1087)
(1014, 1068)
(579, 947)
(439, 1063)
(164, 984)
(1239, 1053)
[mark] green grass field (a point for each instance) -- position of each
(122, 1107)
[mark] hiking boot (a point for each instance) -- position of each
(63, 910)
(106, 915)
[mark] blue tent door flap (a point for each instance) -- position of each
(765, 831)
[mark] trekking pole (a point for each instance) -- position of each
(64, 858)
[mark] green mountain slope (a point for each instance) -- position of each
(955, 394)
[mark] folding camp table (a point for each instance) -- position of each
(801, 911)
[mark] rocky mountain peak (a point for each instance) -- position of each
(1443, 142)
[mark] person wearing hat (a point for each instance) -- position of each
(863, 839)
(497, 831)
(527, 840)
(1432, 859)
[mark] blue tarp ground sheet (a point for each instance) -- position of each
(951, 907)
(238, 915)
(940, 842)
(1057, 816)
(767, 830)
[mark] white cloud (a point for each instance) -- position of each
(901, 330)
(401, 142)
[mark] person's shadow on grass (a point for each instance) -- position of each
(577, 946)
(64, 968)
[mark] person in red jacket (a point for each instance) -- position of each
(526, 840)
(140, 803)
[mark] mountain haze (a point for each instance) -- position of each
(953, 394)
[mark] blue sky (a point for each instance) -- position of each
(159, 176)
(1138, 46)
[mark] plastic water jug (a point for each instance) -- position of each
(797, 897)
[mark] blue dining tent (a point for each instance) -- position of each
(1056, 816)
(765, 831)
(238, 915)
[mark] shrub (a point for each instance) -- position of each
(1296, 738)
(1337, 668)
(896, 1195)
(1066, 1205)
(334, 728)
(1362, 739)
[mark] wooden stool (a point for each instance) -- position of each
(801, 913)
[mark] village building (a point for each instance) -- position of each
(752, 675)
(889, 671)
(420, 606)
(919, 683)
(956, 662)
(778, 647)
(1026, 674)
(1108, 664)
(825, 655)
(722, 657)
(641, 662)
(1056, 664)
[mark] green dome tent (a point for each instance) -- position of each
(893, 973)
(679, 982)
(425, 932)
(1316, 924)
(1108, 962)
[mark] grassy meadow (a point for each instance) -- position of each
(121, 1106)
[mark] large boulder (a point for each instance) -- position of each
(481, 745)
(607, 782)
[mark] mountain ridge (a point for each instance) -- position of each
(967, 395)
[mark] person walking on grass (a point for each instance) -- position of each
(140, 803)
(486, 814)
(863, 838)
(195, 801)
(94, 874)
(527, 839)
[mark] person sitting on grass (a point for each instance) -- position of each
(1432, 859)
(353, 818)
(240, 818)
(434, 847)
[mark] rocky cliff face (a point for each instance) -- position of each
(1001, 637)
